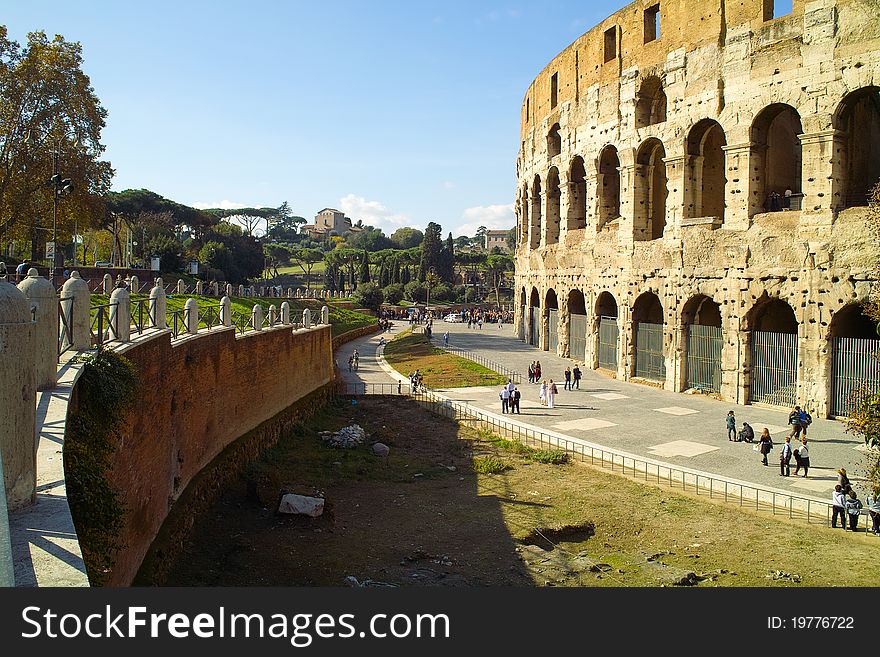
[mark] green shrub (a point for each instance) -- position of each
(489, 465)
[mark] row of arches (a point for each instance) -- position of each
(693, 340)
(775, 168)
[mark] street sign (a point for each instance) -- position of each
(50, 250)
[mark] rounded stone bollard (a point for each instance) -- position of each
(229, 289)
(241, 290)
(257, 317)
(120, 314)
(108, 284)
(18, 397)
(181, 287)
(191, 314)
(134, 284)
(215, 288)
(200, 288)
(273, 314)
(325, 315)
(289, 292)
(285, 313)
(158, 306)
(226, 310)
(307, 318)
(44, 307)
(76, 306)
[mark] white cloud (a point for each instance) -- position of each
(373, 213)
(223, 205)
(448, 184)
(494, 217)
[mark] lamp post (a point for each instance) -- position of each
(60, 187)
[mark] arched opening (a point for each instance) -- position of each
(606, 312)
(535, 214)
(577, 325)
(647, 317)
(858, 117)
(649, 220)
(609, 185)
(523, 314)
(773, 352)
(534, 317)
(855, 367)
(650, 103)
(524, 217)
(554, 141)
(577, 202)
(777, 148)
(701, 321)
(704, 186)
(553, 197)
(552, 329)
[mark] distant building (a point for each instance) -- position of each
(497, 238)
(327, 220)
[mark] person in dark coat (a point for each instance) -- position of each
(766, 445)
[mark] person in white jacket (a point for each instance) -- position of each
(838, 508)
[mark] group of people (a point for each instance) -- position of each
(354, 361)
(775, 202)
(847, 506)
(510, 396)
(799, 420)
(415, 380)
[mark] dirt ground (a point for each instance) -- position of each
(423, 516)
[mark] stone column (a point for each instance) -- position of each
(257, 317)
(108, 284)
(625, 347)
(307, 318)
(676, 184)
(120, 314)
(285, 313)
(158, 306)
(191, 315)
(822, 156)
(200, 288)
(18, 397)
(628, 203)
(77, 308)
(325, 315)
(229, 289)
(226, 310)
(562, 348)
(742, 197)
(44, 306)
(181, 288)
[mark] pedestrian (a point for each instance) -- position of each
(853, 510)
(747, 434)
(567, 375)
(838, 507)
(731, 426)
(766, 445)
(542, 393)
(537, 371)
(480, 321)
(873, 504)
(510, 386)
(446, 339)
(531, 372)
(505, 399)
(786, 199)
(350, 361)
(802, 457)
(785, 458)
(552, 391)
(21, 271)
(805, 420)
(576, 375)
(794, 419)
(843, 480)
(516, 397)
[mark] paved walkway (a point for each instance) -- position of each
(679, 429)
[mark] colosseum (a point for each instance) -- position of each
(692, 192)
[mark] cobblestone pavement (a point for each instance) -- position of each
(680, 429)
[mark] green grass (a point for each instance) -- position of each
(548, 456)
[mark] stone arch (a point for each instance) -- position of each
(578, 325)
(609, 185)
(648, 358)
(855, 369)
(851, 322)
(551, 328)
(777, 150)
(705, 180)
(534, 317)
(523, 314)
(702, 344)
(772, 357)
(535, 215)
(650, 102)
(554, 195)
(858, 118)
(607, 331)
(649, 214)
(554, 141)
(577, 195)
(524, 217)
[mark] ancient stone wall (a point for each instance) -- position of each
(724, 163)
(198, 395)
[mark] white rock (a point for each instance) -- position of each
(381, 449)
(301, 504)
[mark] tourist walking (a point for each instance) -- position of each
(731, 426)
(542, 393)
(567, 375)
(505, 399)
(794, 419)
(805, 420)
(576, 375)
(853, 510)
(802, 457)
(838, 507)
(785, 458)
(515, 401)
(531, 372)
(446, 339)
(537, 371)
(552, 390)
(873, 504)
(766, 445)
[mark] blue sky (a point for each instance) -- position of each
(398, 113)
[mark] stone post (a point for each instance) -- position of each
(676, 178)
(76, 309)
(18, 397)
(158, 306)
(626, 229)
(257, 317)
(285, 313)
(299, 293)
(229, 289)
(215, 288)
(273, 314)
(134, 284)
(181, 288)
(44, 306)
(226, 310)
(325, 315)
(241, 290)
(289, 293)
(824, 189)
(307, 318)
(191, 315)
(120, 314)
(200, 288)
(108, 284)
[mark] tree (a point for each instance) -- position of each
(393, 293)
(47, 102)
(431, 248)
(407, 238)
(511, 239)
(496, 267)
(368, 295)
(370, 239)
(284, 226)
(446, 261)
(415, 291)
(364, 273)
(480, 237)
(276, 255)
(306, 259)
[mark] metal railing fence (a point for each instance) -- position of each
(485, 362)
(65, 332)
(101, 325)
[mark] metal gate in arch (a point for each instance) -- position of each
(855, 371)
(577, 336)
(774, 368)
(608, 334)
(552, 330)
(704, 345)
(522, 324)
(534, 324)
(650, 363)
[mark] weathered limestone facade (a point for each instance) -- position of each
(651, 149)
